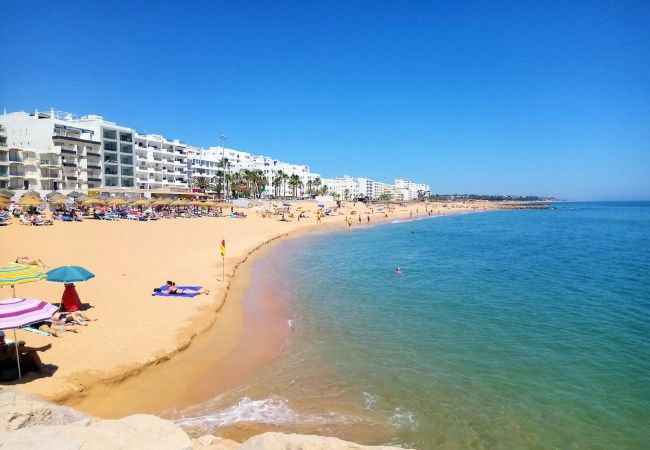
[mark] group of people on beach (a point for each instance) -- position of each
(68, 318)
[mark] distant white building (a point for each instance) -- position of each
(53, 150)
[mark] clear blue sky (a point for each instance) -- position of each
(548, 98)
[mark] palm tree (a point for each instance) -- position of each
(277, 181)
(260, 182)
(324, 189)
(285, 177)
(317, 182)
(310, 183)
(294, 183)
(346, 194)
(225, 166)
(202, 183)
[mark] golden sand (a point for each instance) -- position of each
(109, 367)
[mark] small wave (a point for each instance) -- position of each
(274, 410)
(370, 400)
(404, 419)
(271, 411)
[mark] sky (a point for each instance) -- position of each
(492, 97)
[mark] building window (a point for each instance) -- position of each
(110, 134)
(126, 137)
(110, 146)
(126, 148)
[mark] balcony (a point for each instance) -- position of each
(97, 154)
(94, 179)
(15, 159)
(74, 139)
(94, 166)
(49, 163)
(109, 171)
(22, 174)
(69, 164)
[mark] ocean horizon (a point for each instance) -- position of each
(506, 329)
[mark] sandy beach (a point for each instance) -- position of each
(136, 331)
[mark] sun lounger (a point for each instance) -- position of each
(164, 287)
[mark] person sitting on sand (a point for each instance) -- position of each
(70, 299)
(29, 359)
(30, 261)
(173, 289)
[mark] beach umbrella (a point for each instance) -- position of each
(81, 198)
(58, 201)
(75, 194)
(19, 274)
(93, 201)
(179, 202)
(31, 193)
(19, 312)
(54, 194)
(69, 274)
(117, 201)
(162, 202)
(30, 201)
(141, 202)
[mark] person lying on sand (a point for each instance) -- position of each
(58, 322)
(29, 261)
(173, 289)
(29, 359)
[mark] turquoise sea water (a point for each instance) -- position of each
(513, 329)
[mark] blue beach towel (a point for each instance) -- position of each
(164, 288)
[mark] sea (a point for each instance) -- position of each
(524, 329)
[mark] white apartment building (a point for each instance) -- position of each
(409, 190)
(206, 163)
(344, 187)
(48, 151)
(161, 162)
(347, 187)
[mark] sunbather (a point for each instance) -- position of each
(30, 261)
(172, 289)
(59, 322)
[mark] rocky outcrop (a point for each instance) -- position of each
(27, 422)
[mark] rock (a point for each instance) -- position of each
(281, 441)
(133, 432)
(19, 410)
(209, 442)
(26, 422)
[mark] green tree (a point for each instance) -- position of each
(202, 183)
(316, 184)
(294, 184)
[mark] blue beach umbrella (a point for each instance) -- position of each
(69, 274)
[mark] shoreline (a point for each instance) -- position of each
(149, 391)
(86, 385)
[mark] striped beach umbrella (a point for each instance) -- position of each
(19, 312)
(19, 274)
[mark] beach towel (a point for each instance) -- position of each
(164, 288)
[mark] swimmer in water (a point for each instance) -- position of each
(398, 271)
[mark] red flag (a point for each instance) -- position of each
(223, 247)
